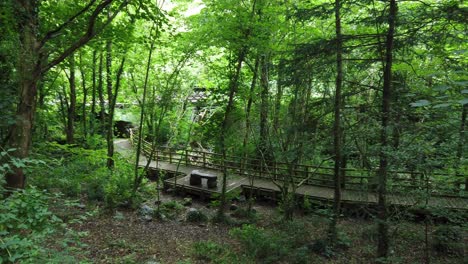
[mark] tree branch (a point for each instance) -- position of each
(89, 34)
(54, 33)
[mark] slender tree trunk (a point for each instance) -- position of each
(102, 115)
(279, 95)
(85, 98)
(93, 96)
(337, 126)
(233, 85)
(109, 130)
(462, 139)
(383, 240)
(138, 177)
(247, 130)
(71, 111)
(262, 146)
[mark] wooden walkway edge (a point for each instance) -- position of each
(267, 187)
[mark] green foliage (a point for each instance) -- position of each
(196, 216)
(170, 210)
(216, 253)
(274, 245)
(25, 225)
(449, 240)
(82, 172)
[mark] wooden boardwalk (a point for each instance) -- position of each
(268, 187)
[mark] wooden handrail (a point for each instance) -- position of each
(256, 168)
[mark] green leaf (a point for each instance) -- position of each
(420, 103)
(442, 105)
(464, 101)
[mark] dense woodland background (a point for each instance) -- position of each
(379, 87)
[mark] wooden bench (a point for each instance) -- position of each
(196, 177)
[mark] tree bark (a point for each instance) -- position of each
(102, 113)
(233, 85)
(71, 110)
(337, 126)
(262, 145)
(462, 139)
(109, 130)
(247, 131)
(32, 64)
(93, 97)
(29, 74)
(85, 98)
(383, 240)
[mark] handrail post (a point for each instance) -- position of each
(204, 159)
(186, 157)
(170, 156)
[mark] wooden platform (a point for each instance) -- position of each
(182, 184)
(266, 187)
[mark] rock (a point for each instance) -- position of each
(196, 216)
(146, 210)
(152, 262)
(119, 216)
(81, 206)
(147, 218)
(242, 199)
(170, 190)
(187, 201)
(233, 207)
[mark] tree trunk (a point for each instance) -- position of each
(233, 85)
(279, 95)
(32, 64)
(29, 74)
(85, 98)
(93, 95)
(383, 240)
(262, 145)
(71, 110)
(461, 141)
(247, 131)
(102, 114)
(109, 130)
(337, 127)
(138, 177)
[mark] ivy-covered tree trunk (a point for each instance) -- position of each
(29, 74)
(33, 64)
(383, 240)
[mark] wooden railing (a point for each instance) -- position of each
(354, 179)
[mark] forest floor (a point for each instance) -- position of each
(123, 236)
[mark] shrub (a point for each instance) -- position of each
(81, 172)
(25, 225)
(209, 251)
(270, 247)
(196, 216)
(448, 240)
